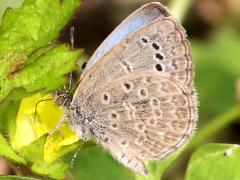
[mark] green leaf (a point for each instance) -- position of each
(215, 161)
(23, 32)
(66, 149)
(217, 70)
(157, 168)
(34, 24)
(35, 151)
(6, 151)
(8, 3)
(93, 162)
(55, 170)
(47, 72)
(8, 113)
(16, 178)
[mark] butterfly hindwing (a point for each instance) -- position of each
(142, 116)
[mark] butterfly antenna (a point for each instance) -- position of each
(70, 83)
(72, 47)
(72, 37)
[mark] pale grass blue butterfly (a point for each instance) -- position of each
(136, 96)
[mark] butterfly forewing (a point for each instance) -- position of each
(138, 19)
(160, 46)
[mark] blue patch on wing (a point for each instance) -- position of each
(140, 18)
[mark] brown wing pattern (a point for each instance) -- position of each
(161, 46)
(143, 116)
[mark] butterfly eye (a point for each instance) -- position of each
(79, 113)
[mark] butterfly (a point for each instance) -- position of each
(136, 95)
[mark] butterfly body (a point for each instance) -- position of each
(137, 98)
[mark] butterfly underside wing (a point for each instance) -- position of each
(138, 99)
(131, 24)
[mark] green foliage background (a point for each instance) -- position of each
(26, 36)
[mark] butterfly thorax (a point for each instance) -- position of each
(80, 120)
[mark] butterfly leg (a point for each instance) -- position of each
(62, 120)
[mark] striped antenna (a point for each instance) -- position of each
(72, 37)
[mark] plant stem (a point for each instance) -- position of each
(179, 8)
(214, 126)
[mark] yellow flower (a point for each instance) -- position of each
(38, 115)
